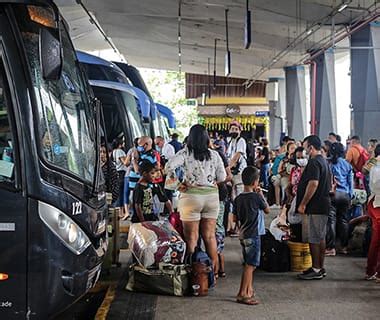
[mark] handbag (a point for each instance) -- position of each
(172, 182)
(168, 279)
(175, 221)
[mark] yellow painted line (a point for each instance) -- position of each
(104, 308)
(100, 286)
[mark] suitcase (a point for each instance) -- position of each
(168, 279)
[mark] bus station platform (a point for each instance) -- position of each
(343, 294)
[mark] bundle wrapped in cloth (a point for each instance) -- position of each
(155, 242)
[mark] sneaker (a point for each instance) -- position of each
(307, 271)
(324, 272)
(275, 206)
(370, 278)
(311, 275)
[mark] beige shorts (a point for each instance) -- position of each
(194, 207)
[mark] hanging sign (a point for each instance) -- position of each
(262, 113)
(232, 111)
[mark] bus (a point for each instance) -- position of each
(125, 109)
(53, 209)
(159, 127)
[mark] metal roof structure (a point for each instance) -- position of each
(146, 32)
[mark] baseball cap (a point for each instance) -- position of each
(236, 124)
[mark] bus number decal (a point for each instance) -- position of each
(5, 304)
(77, 208)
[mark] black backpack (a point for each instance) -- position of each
(250, 155)
(275, 255)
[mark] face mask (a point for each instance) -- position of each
(158, 149)
(302, 162)
(234, 135)
(140, 149)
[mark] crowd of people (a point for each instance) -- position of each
(322, 189)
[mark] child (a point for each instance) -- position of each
(247, 213)
(144, 192)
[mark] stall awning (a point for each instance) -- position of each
(168, 113)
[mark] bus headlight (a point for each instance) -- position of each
(71, 235)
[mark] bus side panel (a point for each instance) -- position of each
(13, 254)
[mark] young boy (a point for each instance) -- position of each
(247, 213)
(144, 192)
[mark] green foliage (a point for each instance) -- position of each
(168, 88)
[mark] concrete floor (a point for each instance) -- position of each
(341, 295)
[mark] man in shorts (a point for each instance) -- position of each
(313, 202)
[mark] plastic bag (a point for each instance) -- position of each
(155, 242)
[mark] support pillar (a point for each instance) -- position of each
(277, 110)
(365, 82)
(296, 102)
(325, 95)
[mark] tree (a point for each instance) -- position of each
(168, 88)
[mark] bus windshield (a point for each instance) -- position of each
(64, 116)
(134, 116)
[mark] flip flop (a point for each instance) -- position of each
(250, 301)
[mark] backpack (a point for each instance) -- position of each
(275, 255)
(200, 256)
(363, 158)
(249, 154)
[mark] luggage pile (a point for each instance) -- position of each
(155, 242)
(160, 268)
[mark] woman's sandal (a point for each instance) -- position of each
(251, 301)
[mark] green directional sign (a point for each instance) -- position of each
(192, 102)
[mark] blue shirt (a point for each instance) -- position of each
(261, 223)
(177, 145)
(344, 176)
(276, 163)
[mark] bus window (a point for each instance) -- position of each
(6, 141)
(66, 134)
(113, 116)
(134, 116)
(100, 72)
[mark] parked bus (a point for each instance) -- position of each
(158, 128)
(126, 109)
(52, 208)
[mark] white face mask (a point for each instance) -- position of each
(302, 162)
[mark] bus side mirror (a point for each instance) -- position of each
(50, 54)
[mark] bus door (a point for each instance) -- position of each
(13, 203)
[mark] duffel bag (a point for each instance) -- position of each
(168, 279)
(275, 255)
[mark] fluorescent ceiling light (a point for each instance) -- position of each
(342, 7)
